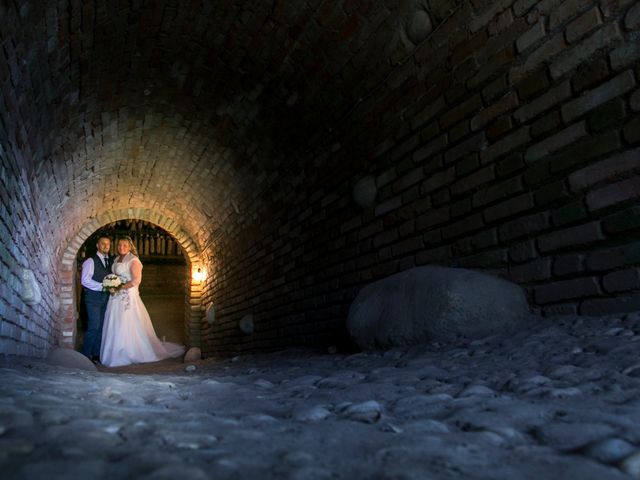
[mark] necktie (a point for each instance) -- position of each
(106, 262)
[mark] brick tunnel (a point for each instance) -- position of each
(299, 151)
(500, 137)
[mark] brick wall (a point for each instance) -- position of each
(163, 293)
(509, 141)
(25, 329)
(163, 279)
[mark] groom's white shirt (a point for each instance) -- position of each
(87, 274)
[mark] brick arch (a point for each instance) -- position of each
(67, 284)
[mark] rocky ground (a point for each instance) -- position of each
(558, 401)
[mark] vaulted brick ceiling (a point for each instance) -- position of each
(190, 108)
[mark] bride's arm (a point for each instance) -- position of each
(136, 275)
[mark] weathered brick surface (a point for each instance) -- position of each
(625, 55)
(540, 56)
(590, 74)
(506, 103)
(504, 189)
(567, 289)
(535, 83)
(437, 180)
(612, 8)
(607, 115)
(614, 257)
(555, 142)
(632, 19)
(499, 128)
(542, 103)
(427, 151)
(571, 237)
(461, 207)
(459, 131)
(569, 213)
(634, 101)
(473, 181)
(536, 270)
(569, 59)
(429, 112)
(485, 16)
(537, 174)
(522, 251)
(531, 36)
(511, 164)
(520, 7)
(524, 226)
(509, 143)
(463, 110)
(467, 165)
(473, 243)
(584, 151)
(509, 208)
(632, 131)
(604, 306)
(433, 217)
(548, 123)
(561, 12)
(552, 194)
(462, 227)
(473, 144)
(605, 169)
(623, 221)
(623, 191)
(583, 24)
(495, 89)
(622, 280)
(613, 88)
(568, 264)
(490, 259)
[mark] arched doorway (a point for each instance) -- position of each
(166, 266)
(67, 327)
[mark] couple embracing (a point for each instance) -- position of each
(119, 330)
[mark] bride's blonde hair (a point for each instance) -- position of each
(127, 239)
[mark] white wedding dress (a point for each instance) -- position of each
(128, 335)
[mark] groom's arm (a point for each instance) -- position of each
(87, 273)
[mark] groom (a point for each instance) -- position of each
(94, 269)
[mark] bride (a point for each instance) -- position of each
(128, 335)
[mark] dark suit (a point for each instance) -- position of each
(96, 304)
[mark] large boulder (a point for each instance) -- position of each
(434, 303)
(66, 357)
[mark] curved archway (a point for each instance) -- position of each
(67, 323)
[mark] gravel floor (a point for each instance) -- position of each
(558, 401)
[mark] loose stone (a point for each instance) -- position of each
(610, 450)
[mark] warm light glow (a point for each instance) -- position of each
(199, 275)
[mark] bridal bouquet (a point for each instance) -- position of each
(112, 283)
